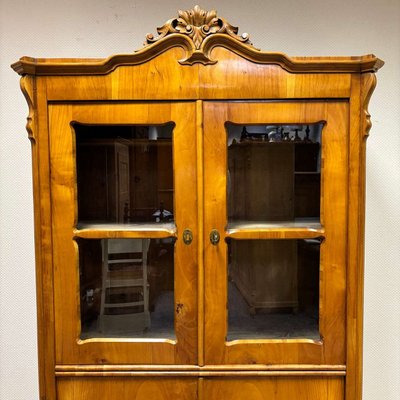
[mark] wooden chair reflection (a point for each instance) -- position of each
(124, 302)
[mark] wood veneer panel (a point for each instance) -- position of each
(162, 78)
(265, 81)
(165, 79)
(278, 388)
(126, 388)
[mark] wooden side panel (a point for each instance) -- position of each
(360, 124)
(126, 388)
(69, 348)
(37, 125)
(274, 388)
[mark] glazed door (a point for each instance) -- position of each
(275, 212)
(124, 232)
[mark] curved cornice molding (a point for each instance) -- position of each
(197, 32)
(100, 66)
(362, 64)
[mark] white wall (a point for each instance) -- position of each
(99, 28)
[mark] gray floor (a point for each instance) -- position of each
(241, 323)
(162, 324)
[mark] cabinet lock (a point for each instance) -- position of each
(214, 237)
(187, 236)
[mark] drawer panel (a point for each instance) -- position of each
(126, 388)
(274, 388)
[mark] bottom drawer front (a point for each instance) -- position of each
(274, 388)
(125, 388)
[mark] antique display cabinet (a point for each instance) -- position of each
(199, 217)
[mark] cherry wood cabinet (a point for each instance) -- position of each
(243, 173)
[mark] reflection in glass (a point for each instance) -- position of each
(274, 172)
(126, 288)
(273, 289)
(124, 173)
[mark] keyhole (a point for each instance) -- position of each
(214, 237)
(187, 236)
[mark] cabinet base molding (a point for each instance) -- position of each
(196, 371)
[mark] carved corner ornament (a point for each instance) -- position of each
(368, 86)
(198, 26)
(28, 88)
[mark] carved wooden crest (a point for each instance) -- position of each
(198, 25)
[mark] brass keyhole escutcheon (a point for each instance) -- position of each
(214, 237)
(187, 236)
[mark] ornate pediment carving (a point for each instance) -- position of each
(197, 24)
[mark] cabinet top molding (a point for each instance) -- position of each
(197, 32)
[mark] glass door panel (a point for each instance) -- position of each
(127, 288)
(125, 177)
(273, 289)
(274, 172)
(124, 173)
(275, 183)
(126, 283)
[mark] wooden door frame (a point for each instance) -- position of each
(331, 349)
(69, 348)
